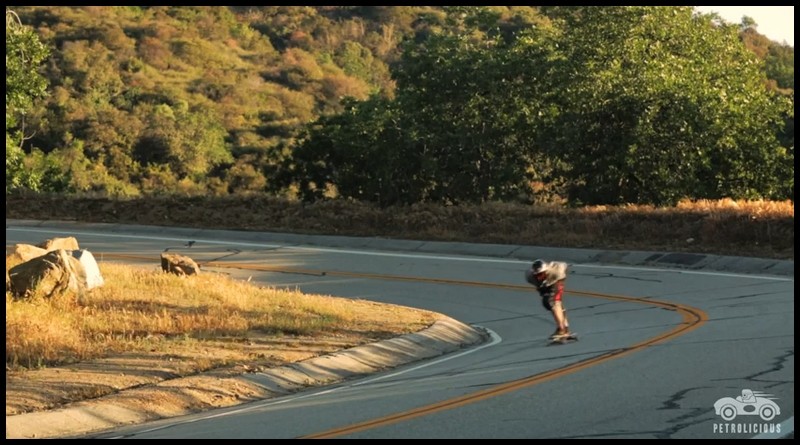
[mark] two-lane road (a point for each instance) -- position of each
(658, 347)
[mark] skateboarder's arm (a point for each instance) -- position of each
(559, 290)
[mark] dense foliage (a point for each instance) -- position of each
(657, 105)
(24, 53)
(398, 105)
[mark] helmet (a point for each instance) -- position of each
(539, 266)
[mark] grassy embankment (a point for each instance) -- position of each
(145, 310)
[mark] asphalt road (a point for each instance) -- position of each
(662, 338)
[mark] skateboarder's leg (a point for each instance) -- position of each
(560, 317)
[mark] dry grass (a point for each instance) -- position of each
(141, 310)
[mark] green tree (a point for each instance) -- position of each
(189, 141)
(460, 94)
(460, 129)
(357, 154)
(780, 65)
(24, 54)
(657, 104)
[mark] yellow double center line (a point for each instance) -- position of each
(692, 317)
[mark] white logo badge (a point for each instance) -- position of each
(750, 403)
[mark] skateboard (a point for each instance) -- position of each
(564, 340)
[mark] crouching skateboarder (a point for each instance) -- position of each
(548, 278)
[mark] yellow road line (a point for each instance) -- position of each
(692, 317)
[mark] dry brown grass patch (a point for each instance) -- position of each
(141, 310)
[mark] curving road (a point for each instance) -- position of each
(659, 345)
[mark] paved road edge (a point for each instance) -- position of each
(446, 335)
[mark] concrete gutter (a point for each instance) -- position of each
(444, 336)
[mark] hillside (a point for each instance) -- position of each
(217, 100)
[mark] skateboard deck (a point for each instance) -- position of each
(564, 340)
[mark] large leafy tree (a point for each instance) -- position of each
(453, 92)
(24, 54)
(359, 154)
(190, 142)
(657, 104)
(459, 129)
(476, 95)
(780, 65)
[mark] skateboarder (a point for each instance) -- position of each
(548, 277)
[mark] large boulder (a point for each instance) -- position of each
(22, 253)
(49, 275)
(179, 264)
(93, 277)
(26, 252)
(66, 243)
